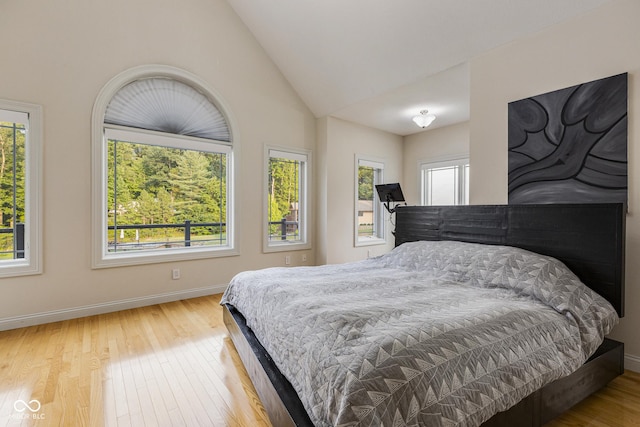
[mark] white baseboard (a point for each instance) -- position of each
(632, 362)
(108, 307)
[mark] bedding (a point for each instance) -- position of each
(432, 333)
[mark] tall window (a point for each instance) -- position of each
(286, 199)
(445, 183)
(369, 222)
(20, 160)
(166, 157)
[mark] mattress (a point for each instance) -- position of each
(432, 333)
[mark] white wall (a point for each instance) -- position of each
(445, 143)
(339, 142)
(59, 54)
(599, 44)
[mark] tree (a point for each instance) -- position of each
(159, 185)
(189, 179)
(12, 180)
(365, 183)
(283, 185)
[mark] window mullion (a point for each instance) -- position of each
(460, 175)
(15, 191)
(115, 197)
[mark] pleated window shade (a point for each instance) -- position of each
(167, 105)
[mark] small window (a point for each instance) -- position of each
(287, 174)
(163, 181)
(20, 212)
(369, 217)
(445, 183)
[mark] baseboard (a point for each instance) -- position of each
(108, 307)
(632, 362)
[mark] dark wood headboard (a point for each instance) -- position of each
(587, 238)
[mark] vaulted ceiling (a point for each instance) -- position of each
(379, 62)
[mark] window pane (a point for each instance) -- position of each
(12, 187)
(366, 216)
(162, 197)
(369, 216)
(445, 183)
(284, 199)
(442, 186)
(466, 184)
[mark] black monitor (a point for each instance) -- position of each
(390, 193)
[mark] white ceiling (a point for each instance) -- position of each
(379, 62)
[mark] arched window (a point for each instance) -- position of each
(163, 170)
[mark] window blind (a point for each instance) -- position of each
(167, 105)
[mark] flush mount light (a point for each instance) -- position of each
(424, 119)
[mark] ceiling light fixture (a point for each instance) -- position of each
(424, 119)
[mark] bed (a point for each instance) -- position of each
(483, 264)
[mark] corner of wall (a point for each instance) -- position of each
(321, 172)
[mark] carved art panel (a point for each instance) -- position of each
(570, 146)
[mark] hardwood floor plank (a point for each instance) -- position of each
(171, 365)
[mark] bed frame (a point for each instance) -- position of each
(588, 238)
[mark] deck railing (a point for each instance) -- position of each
(286, 230)
(18, 241)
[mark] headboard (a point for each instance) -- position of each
(587, 238)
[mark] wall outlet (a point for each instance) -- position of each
(175, 273)
(287, 260)
(304, 257)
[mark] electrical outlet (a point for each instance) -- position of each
(304, 257)
(175, 273)
(287, 260)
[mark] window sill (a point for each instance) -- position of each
(15, 268)
(164, 255)
(286, 246)
(370, 242)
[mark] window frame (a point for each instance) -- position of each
(99, 174)
(463, 174)
(32, 262)
(380, 235)
(304, 242)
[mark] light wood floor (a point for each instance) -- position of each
(173, 364)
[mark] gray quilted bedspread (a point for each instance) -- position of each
(430, 334)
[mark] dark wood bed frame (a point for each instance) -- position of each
(588, 238)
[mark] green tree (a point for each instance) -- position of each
(283, 186)
(365, 183)
(190, 178)
(159, 185)
(12, 180)
(157, 165)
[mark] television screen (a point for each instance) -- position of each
(390, 192)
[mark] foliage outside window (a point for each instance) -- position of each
(369, 222)
(163, 162)
(20, 142)
(162, 197)
(445, 183)
(286, 206)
